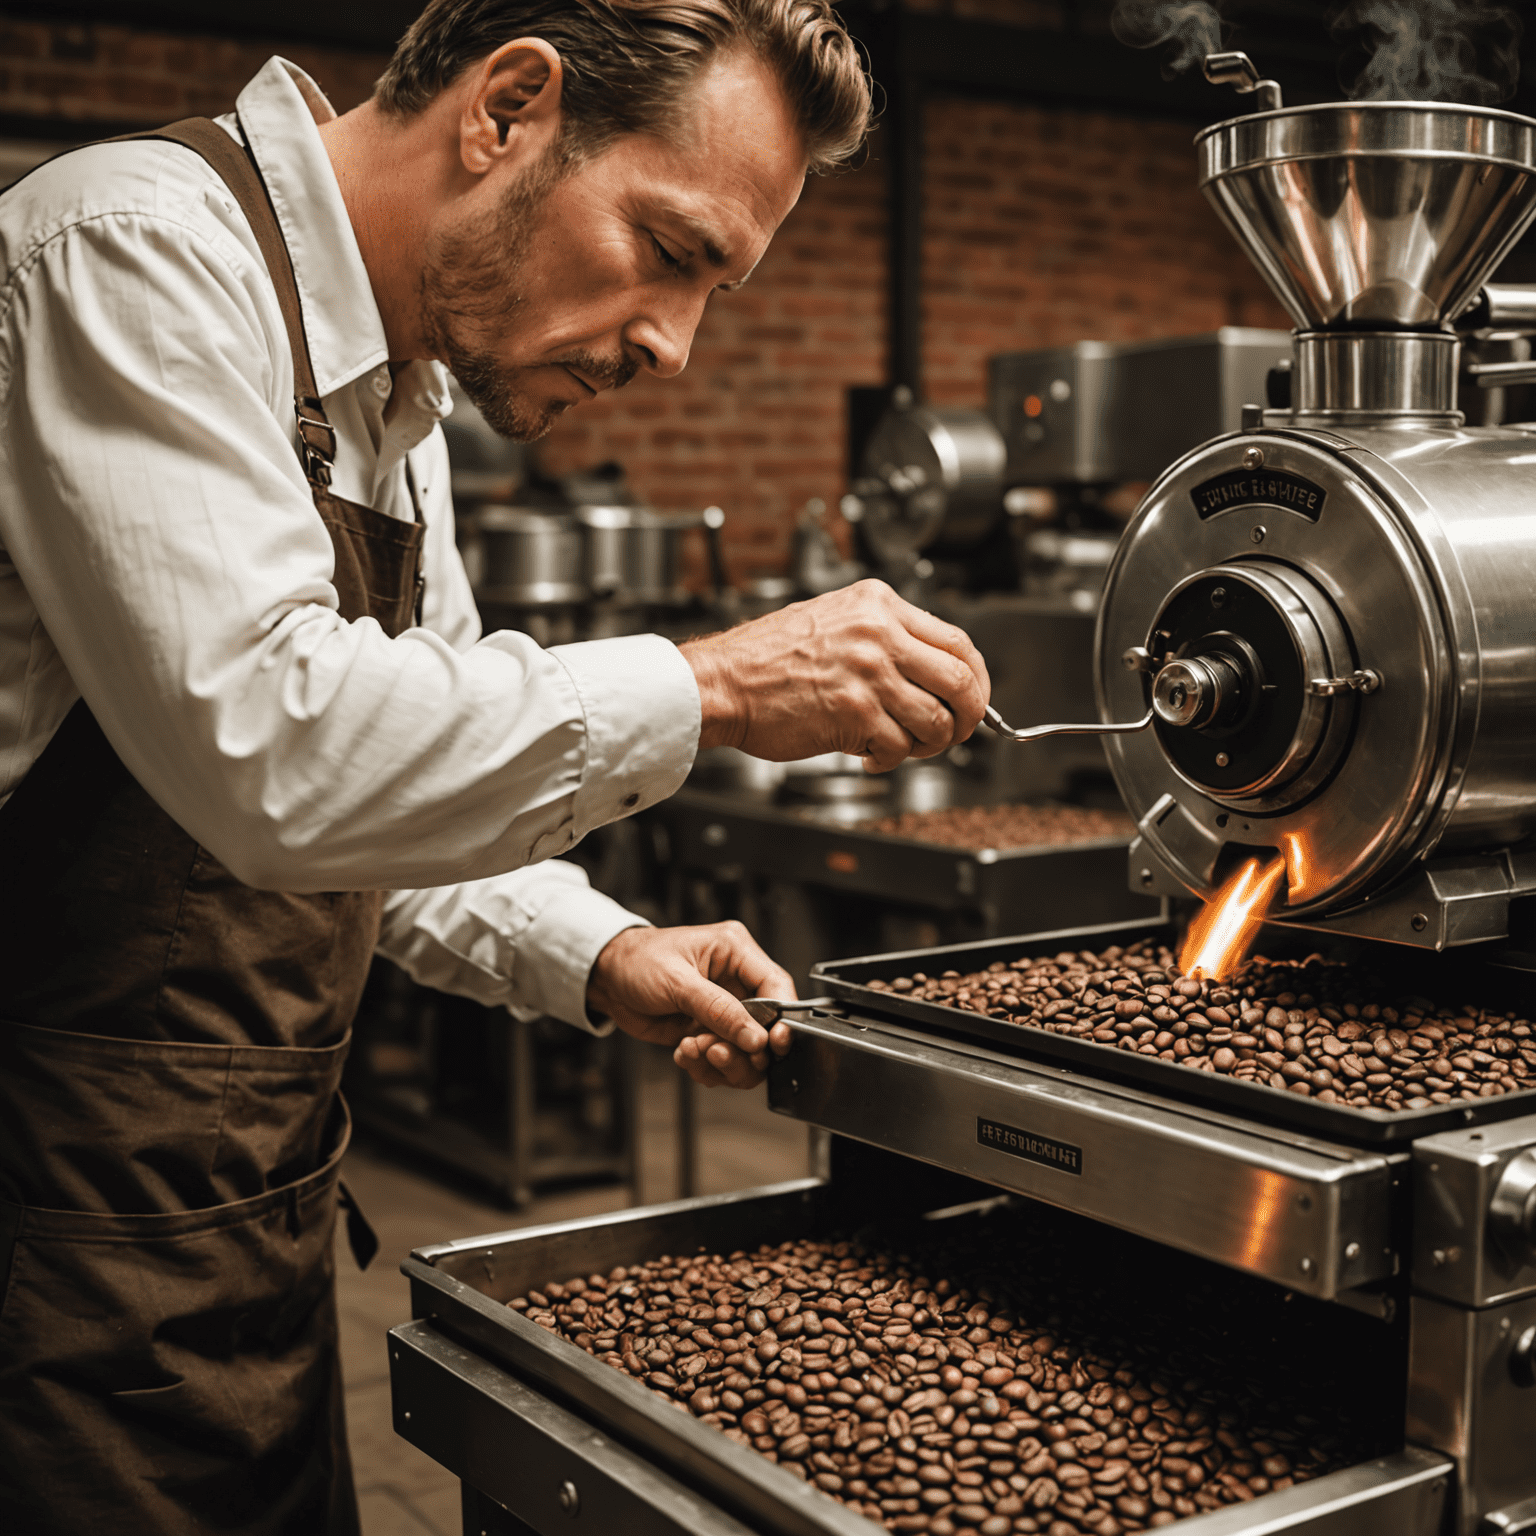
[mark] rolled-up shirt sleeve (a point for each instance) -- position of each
(152, 503)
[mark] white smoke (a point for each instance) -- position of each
(1432, 50)
(1190, 28)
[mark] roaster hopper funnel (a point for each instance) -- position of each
(1380, 215)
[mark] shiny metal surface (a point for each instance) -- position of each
(1512, 1210)
(1507, 307)
(1513, 1520)
(932, 476)
(1190, 692)
(1312, 1215)
(1313, 639)
(1402, 1495)
(1240, 72)
(1462, 1251)
(769, 1010)
(530, 558)
(1104, 411)
(1374, 213)
(634, 554)
(1464, 1401)
(533, 1457)
(1424, 552)
(1382, 603)
(1041, 732)
(1345, 376)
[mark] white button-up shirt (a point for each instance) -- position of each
(160, 555)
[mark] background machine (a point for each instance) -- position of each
(1324, 616)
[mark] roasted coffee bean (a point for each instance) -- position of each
(975, 1419)
(1302, 1025)
(1004, 826)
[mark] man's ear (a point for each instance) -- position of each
(512, 107)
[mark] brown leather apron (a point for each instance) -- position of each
(171, 1042)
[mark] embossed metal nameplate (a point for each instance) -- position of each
(1259, 488)
(1025, 1144)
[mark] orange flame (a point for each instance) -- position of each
(1220, 935)
(1298, 865)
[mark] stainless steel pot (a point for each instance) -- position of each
(634, 554)
(531, 558)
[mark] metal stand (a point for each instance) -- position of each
(461, 1084)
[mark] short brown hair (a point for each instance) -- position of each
(628, 62)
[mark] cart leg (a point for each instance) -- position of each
(687, 1138)
(520, 1113)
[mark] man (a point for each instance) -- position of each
(243, 690)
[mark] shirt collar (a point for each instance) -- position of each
(280, 110)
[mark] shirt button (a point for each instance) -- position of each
(631, 801)
(381, 383)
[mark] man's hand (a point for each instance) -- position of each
(682, 987)
(857, 671)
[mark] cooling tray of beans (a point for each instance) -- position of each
(1314, 1027)
(939, 1406)
(1005, 826)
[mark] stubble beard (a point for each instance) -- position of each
(470, 295)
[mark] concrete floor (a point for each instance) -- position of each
(401, 1491)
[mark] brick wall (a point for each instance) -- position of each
(108, 74)
(1044, 227)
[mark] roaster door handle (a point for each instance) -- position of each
(1040, 732)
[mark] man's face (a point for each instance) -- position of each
(546, 289)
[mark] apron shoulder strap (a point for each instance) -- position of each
(239, 172)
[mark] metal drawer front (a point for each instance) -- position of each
(527, 1453)
(1311, 1215)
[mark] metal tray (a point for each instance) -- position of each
(707, 829)
(458, 1294)
(848, 981)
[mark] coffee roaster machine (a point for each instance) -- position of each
(1314, 637)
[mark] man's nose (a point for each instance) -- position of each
(663, 336)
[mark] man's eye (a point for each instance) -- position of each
(665, 256)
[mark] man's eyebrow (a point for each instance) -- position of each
(710, 243)
(708, 239)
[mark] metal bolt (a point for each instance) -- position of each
(1219, 597)
(406, 1415)
(1222, 759)
(1146, 877)
(1418, 922)
(570, 1498)
(1253, 458)
(1352, 1252)
(1258, 533)
(1307, 1266)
